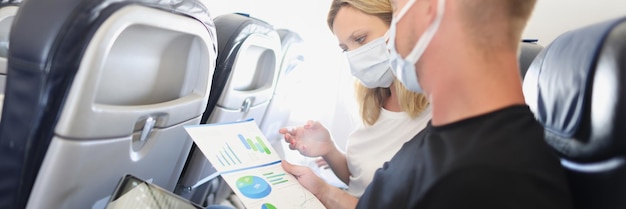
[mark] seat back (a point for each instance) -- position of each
(243, 86)
(99, 89)
(8, 9)
(251, 53)
(577, 89)
(278, 110)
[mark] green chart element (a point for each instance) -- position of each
(258, 146)
(268, 206)
(274, 178)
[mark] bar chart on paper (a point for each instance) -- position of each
(233, 147)
(228, 157)
(256, 145)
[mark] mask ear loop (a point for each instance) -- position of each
(386, 36)
(428, 35)
(394, 22)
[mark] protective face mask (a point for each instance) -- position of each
(404, 68)
(370, 64)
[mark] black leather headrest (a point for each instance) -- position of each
(577, 88)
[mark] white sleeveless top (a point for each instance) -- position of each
(368, 147)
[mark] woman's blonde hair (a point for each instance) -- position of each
(379, 8)
(372, 100)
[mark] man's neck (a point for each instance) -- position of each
(471, 87)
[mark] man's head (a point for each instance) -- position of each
(480, 28)
(495, 23)
(489, 23)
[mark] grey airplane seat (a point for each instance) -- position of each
(529, 48)
(243, 86)
(8, 9)
(278, 111)
(576, 88)
(97, 89)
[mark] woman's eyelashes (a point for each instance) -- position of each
(360, 40)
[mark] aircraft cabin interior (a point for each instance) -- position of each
(95, 95)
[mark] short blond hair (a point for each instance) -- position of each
(496, 23)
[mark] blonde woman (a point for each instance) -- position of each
(391, 114)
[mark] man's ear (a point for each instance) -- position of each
(423, 13)
(430, 10)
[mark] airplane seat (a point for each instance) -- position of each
(98, 89)
(529, 48)
(576, 88)
(243, 86)
(8, 9)
(278, 111)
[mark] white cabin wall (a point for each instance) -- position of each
(554, 17)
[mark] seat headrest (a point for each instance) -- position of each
(577, 89)
(291, 59)
(233, 29)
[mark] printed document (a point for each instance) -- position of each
(250, 166)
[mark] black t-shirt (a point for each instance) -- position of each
(496, 160)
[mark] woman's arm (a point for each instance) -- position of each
(337, 162)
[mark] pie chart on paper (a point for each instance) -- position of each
(268, 206)
(254, 187)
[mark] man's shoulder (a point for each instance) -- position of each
(494, 187)
(516, 118)
(512, 128)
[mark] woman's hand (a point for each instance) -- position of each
(311, 140)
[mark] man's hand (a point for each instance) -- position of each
(306, 177)
(330, 196)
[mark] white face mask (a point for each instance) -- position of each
(404, 68)
(370, 64)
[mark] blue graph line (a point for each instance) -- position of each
(243, 141)
(231, 151)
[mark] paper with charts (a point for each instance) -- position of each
(250, 166)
